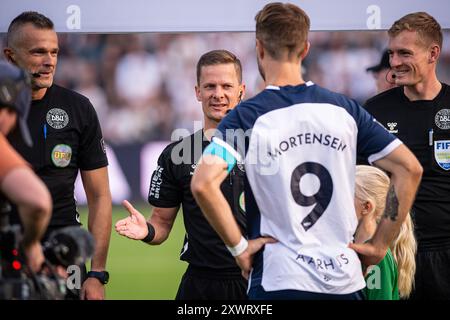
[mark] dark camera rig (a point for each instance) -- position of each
(63, 248)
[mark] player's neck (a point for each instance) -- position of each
(283, 73)
(424, 90)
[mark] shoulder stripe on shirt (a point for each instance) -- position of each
(388, 149)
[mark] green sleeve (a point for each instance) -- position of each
(382, 280)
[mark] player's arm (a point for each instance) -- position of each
(22, 187)
(406, 173)
(96, 185)
(205, 185)
(208, 176)
(137, 228)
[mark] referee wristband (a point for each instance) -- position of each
(150, 235)
(239, 248)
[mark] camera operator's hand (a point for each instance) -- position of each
(35, 256)
(92, 289)
(134, 226)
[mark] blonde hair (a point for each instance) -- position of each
(404, 250)
(428, 29)
(372, 184)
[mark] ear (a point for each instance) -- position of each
(305, 50)
(435, 51)
(197, 93)
(368, 207)
(242, 91)
(259, 49)
(8, 53)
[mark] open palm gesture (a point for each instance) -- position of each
(134, 226)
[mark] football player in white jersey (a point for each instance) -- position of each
(299, 144)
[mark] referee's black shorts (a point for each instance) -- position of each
(432, 280)
(209, 284)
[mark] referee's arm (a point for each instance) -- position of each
(96, 185)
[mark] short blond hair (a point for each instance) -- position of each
(428, 29)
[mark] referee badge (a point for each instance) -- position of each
(57, 118)
(442, 119)
(442, 153)
(61, 155)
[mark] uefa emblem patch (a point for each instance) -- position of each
(242, 201)
(57, 118)
(442, 153)
(61, 155)
(442, 119)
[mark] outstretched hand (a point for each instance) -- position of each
(134, 226)
(245, 259)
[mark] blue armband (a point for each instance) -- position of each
(216, 149)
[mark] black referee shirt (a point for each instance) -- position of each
(66, 137)
(424, 126)
(170, 187)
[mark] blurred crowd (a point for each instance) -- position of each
(142, 85)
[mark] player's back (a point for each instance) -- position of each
(300, 159)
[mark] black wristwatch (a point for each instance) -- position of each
(102, 276)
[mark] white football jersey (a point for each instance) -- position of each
(299, 145)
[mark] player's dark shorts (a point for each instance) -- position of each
(432, 280)
(209, 284)
(258, 293)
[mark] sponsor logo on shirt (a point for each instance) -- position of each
(392, 126)
(442, 153)
(330, 263)
(57, 118)
(61, 155)
(155, 183)
(324, 265)
(442, 119)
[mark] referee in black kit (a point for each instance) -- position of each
(67, 139)
(212, 273)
